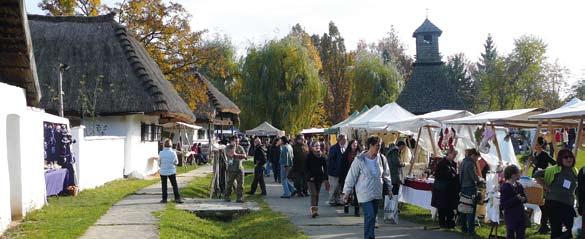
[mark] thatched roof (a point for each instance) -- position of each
(17, 62)
(218, 109)
(99, 46)
(429, 90)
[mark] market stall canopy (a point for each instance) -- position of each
(181, 124)
(509, 118)
(364, 117)
(574, 111)
(335, 128)
(432, 119)
(572, 102)
(313, 131)
(265, 129)
(389, 113)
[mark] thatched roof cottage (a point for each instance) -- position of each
(112, 77)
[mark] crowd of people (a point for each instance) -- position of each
(363, 178)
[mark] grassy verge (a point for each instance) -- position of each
(423, 216)
(69, 217)
(175, 223)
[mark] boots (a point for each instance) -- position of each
(314, 212)
(356, 212)
(346, 208)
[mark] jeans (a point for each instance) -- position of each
(300, 182)
(287, 186)
(370, 210)
(173, 179)
(334, 190)
(276, 171)
(468, 219)
(268, 168)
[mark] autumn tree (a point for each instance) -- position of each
(578, 89)
(336, 73)
(222, 67)
(72, 7)
(164, 30)
(376, 81)
(392, 49)
(280, 85)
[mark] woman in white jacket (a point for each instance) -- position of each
(369, 174)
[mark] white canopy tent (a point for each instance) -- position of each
(265, 129)
(389, 113)
(183, 132)
(346, 129)
(568, 113)
(313, 131)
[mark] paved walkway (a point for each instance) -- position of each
(132, 217)
(332, 223)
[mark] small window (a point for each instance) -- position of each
(428, 39)
(150, 132)
(156, 132)
(200, 134)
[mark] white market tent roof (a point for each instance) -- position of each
(432, 119)
(574, 111)
(313, 131)
(508, 118)
(364, 117)
(265, 129)
(389, 113)
(572, 102)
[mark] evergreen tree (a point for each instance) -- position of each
(457, 73)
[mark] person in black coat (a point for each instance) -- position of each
(334, 160)
(353, 149)
(274, 158)
(259, 162)
(446, 190)
(316, 169)
(540, 158)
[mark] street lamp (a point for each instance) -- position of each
(62, 68)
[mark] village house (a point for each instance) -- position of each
(112, 87)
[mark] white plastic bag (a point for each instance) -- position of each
(576, 226)
(391, 209)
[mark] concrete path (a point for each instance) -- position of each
(132, 217)
(332, 223)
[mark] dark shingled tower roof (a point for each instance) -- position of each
(427, 27)
(99, 46)
(17, 62)
(218, 109)
(428, 89)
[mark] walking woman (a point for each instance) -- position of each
(168, 161)
(561, 181)
(317, 175)
(353, 149)
(512, 201)
(446, 190)
(370, 176)
(469, 180)
(274, 158)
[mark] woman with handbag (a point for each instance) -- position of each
(316, 175)
(512, 199)
(469, 180)
(561, 181)
(446, 190)
(370, 176)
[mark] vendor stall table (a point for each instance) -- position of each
(56, 181)
(417, 192)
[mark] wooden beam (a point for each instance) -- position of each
(416, 152)
(433, 142)
(578, 141)
(497, 145)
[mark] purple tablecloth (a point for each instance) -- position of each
(56, 181)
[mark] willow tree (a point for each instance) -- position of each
(375, 81)
(280, 84)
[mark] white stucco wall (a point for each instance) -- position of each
(137, 154)
(22, 181)
(100, 159)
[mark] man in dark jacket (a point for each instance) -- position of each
(274, 158)
(300, 152)
(334, 161)
(259, 161)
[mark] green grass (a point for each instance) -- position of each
(187, 168)
(69, 217)
(423, 216)
(175, 223)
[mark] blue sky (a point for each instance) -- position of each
(465, 24)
